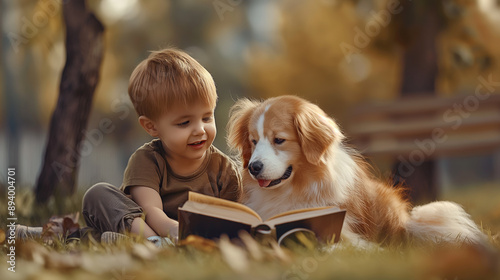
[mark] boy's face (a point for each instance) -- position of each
(187, 131)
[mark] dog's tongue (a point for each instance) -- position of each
(264, 183)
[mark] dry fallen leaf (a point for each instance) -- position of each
(252, 246)
(200, 243)
(50, 259)
(59, 227)
(280, 253)
(32, 251)
(146, 251)
(236, 257)
(99, 263)
(2, 236)
(60, 261)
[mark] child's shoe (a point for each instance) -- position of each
(110, 237)
(161, 242)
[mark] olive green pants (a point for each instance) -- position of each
(107, 208)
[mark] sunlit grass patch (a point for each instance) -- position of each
(198, 258)
(28, 212)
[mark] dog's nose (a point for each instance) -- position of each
(255, 167)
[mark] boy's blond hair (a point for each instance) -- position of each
(167, 78)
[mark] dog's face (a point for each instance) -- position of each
(280, 137)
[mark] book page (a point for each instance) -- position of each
(302, 214)
(299, 211)
(197, 197)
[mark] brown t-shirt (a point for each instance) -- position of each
(217, 176)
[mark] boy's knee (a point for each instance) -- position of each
(96, 193)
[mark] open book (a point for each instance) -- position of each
(210, 217)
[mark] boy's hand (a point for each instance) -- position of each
(150, 201)
(174, 231)
(162, 242)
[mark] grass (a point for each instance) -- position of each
(224, 260)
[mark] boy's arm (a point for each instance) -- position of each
(151, 203)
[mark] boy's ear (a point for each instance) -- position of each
(149, 126)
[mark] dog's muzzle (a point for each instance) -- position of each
(255, 169)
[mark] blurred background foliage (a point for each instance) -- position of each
(255, 48)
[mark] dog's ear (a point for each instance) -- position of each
(237, 128)
(316, 131)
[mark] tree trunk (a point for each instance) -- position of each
(84, 52)
(420, 70)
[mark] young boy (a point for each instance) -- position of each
(175, 98)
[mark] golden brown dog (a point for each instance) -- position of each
(293, 156)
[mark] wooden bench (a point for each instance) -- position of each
(414, 130)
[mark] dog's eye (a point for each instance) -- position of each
(254, 141)
(279, 141)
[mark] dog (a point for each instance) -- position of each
(293, 156)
